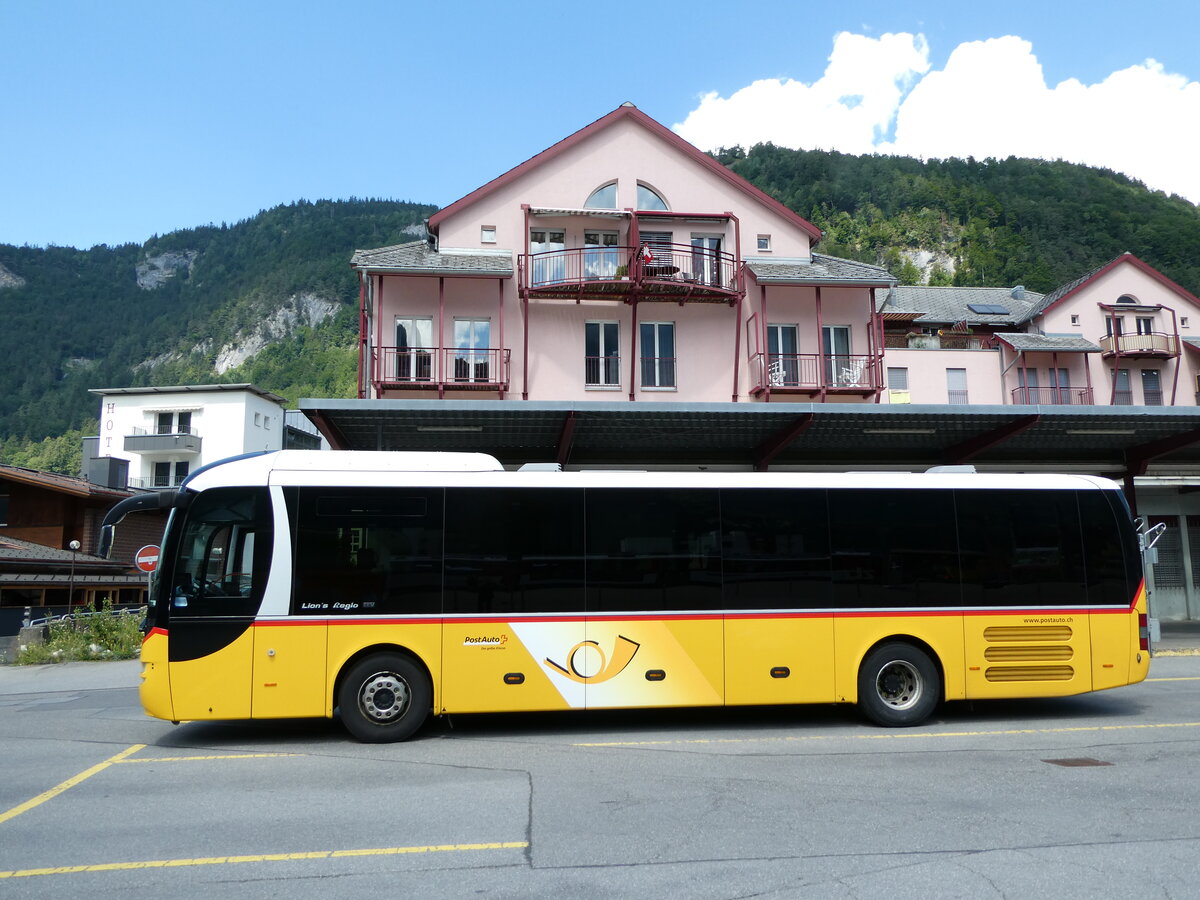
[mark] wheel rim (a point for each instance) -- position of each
(898, 684)
(384, 697)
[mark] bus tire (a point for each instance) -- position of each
(384, 697)
(898, 685)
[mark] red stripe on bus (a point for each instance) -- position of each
(695, 617)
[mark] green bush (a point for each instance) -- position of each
(107, 634)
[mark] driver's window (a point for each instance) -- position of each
(223, 554)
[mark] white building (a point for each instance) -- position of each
(164, 433)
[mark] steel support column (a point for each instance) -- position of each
(780, 441)
(968, 449)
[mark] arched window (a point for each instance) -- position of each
(1128, 298)
(649, 199)
(603, 197)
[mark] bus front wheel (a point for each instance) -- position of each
(898, 685)
(383, 698)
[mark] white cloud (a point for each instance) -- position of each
(848, 108)
(990, 100)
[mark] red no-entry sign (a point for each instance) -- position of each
(146, 558)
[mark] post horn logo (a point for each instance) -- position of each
(623, 653)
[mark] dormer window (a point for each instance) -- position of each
(603, 197)
(648, 199)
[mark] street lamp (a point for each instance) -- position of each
(74, 545)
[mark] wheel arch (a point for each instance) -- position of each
(923, 646)
(381, 647)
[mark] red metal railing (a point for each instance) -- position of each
(680, 266)
(602, 371)
(815, 371)
(440, 367)
(1053, 396)
(658, 371)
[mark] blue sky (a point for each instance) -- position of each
(126, 119)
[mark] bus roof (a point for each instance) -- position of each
(362, 468)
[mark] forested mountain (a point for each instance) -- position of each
(987, 222)
(272, 300)
(186, 308)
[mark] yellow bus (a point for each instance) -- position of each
(382, 587)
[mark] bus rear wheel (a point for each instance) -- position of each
(384, 698)
(898, 685)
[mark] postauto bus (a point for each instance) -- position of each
(384, 587)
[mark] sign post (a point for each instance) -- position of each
(146, 559)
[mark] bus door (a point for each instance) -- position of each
(221, 562)
(655, 632)
(1023, 550)
(513, 595)
(776, 573)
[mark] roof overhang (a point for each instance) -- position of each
(1106, 440)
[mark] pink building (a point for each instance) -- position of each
(620, 263)
(621, 299)
(1118, 336)
(623, 263)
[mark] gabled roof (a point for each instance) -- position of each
(950, 305)
(1067, 290)
(820, 269)
(418, 258)
(626, 111)
(62, 484)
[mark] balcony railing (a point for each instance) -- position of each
(156, 482)
(812, 372)
(602, 371)
(675, 272)
(446, 368)
(1155, 343)
(949, 340)
(658, 371)
(145, 440)
(1052, 396)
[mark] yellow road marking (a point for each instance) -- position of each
(893, 736)
(258, 857)
(69, 783)
(154, 759)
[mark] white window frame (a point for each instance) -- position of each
(952, 378)
(473, 356)
(783, 369)
(487, 234)
(602, 366)
(657, 359)
(413, 353)
(764, 243)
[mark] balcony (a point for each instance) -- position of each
(1155, 344)
(813, 373)
(156, 482)
(947, 340)
(440, 368)
(1053, 396)
(677, 272)
(143, 440)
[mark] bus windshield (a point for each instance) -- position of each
(222, 554)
